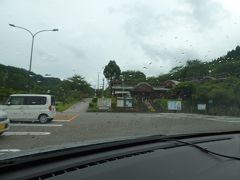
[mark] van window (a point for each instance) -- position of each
(35, 100)
(53, 100)
(16, 100)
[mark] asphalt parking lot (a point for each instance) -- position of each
(79, 126)
(91, 126)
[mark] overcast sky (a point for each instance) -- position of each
(131, 32)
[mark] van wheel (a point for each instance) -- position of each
(43, 118)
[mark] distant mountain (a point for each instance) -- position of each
(17, 79)
(228, 65)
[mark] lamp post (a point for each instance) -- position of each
(33, 36)
(123, 92)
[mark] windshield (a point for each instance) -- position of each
(82, 71)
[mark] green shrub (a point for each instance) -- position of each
(114, 102)
(94, 100)
(91, 105)
(161, 104)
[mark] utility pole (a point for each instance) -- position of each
(98, 82)
(103, 87)
(123, 92)
(97, 85)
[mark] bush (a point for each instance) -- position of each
(161, 104)
(91, 105)
(114, 102)
(94, 100)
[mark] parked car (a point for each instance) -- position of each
(4, 122)
(31, 107)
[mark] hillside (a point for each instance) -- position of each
(17, 79)
(228, 65)
(215, 83)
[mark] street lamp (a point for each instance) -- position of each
(33, 36)
(123, 96)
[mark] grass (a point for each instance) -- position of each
(92, 109)
(60, 107)
(93, 106)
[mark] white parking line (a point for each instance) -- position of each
(225, 121)
(36, 125)
(220, 119)
(10, 150)
(64, 120)
(26, 133)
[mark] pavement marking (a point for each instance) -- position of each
(196, 118)
(64, 120)
(225, 121)
(36, 125)
(26, 133)
(74, 117)
(9, 150)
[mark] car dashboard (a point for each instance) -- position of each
(154, 158)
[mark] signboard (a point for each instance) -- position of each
(127, 103)
(201, 107)
(210, 101)
(174, 105)
(120, 102)
(104, 103)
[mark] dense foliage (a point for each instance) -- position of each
(215, 83)
(112, 72)
(15, 80)
(133, 76)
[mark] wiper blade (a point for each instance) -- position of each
(205, 150)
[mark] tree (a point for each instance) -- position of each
(79, 83)
(111, 72)
(195, 68)
(184, 90)
(133, 76)
(153, 81)
(76, 83)
(74, 88)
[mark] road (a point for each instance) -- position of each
(81, 126)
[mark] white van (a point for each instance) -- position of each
(31, 107)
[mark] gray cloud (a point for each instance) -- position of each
(44, 56)
(144, 20)
(131, 32)
(160, 33)
(207, 13)
(77, 52)
(159, 54)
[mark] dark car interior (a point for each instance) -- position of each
(197, 156)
